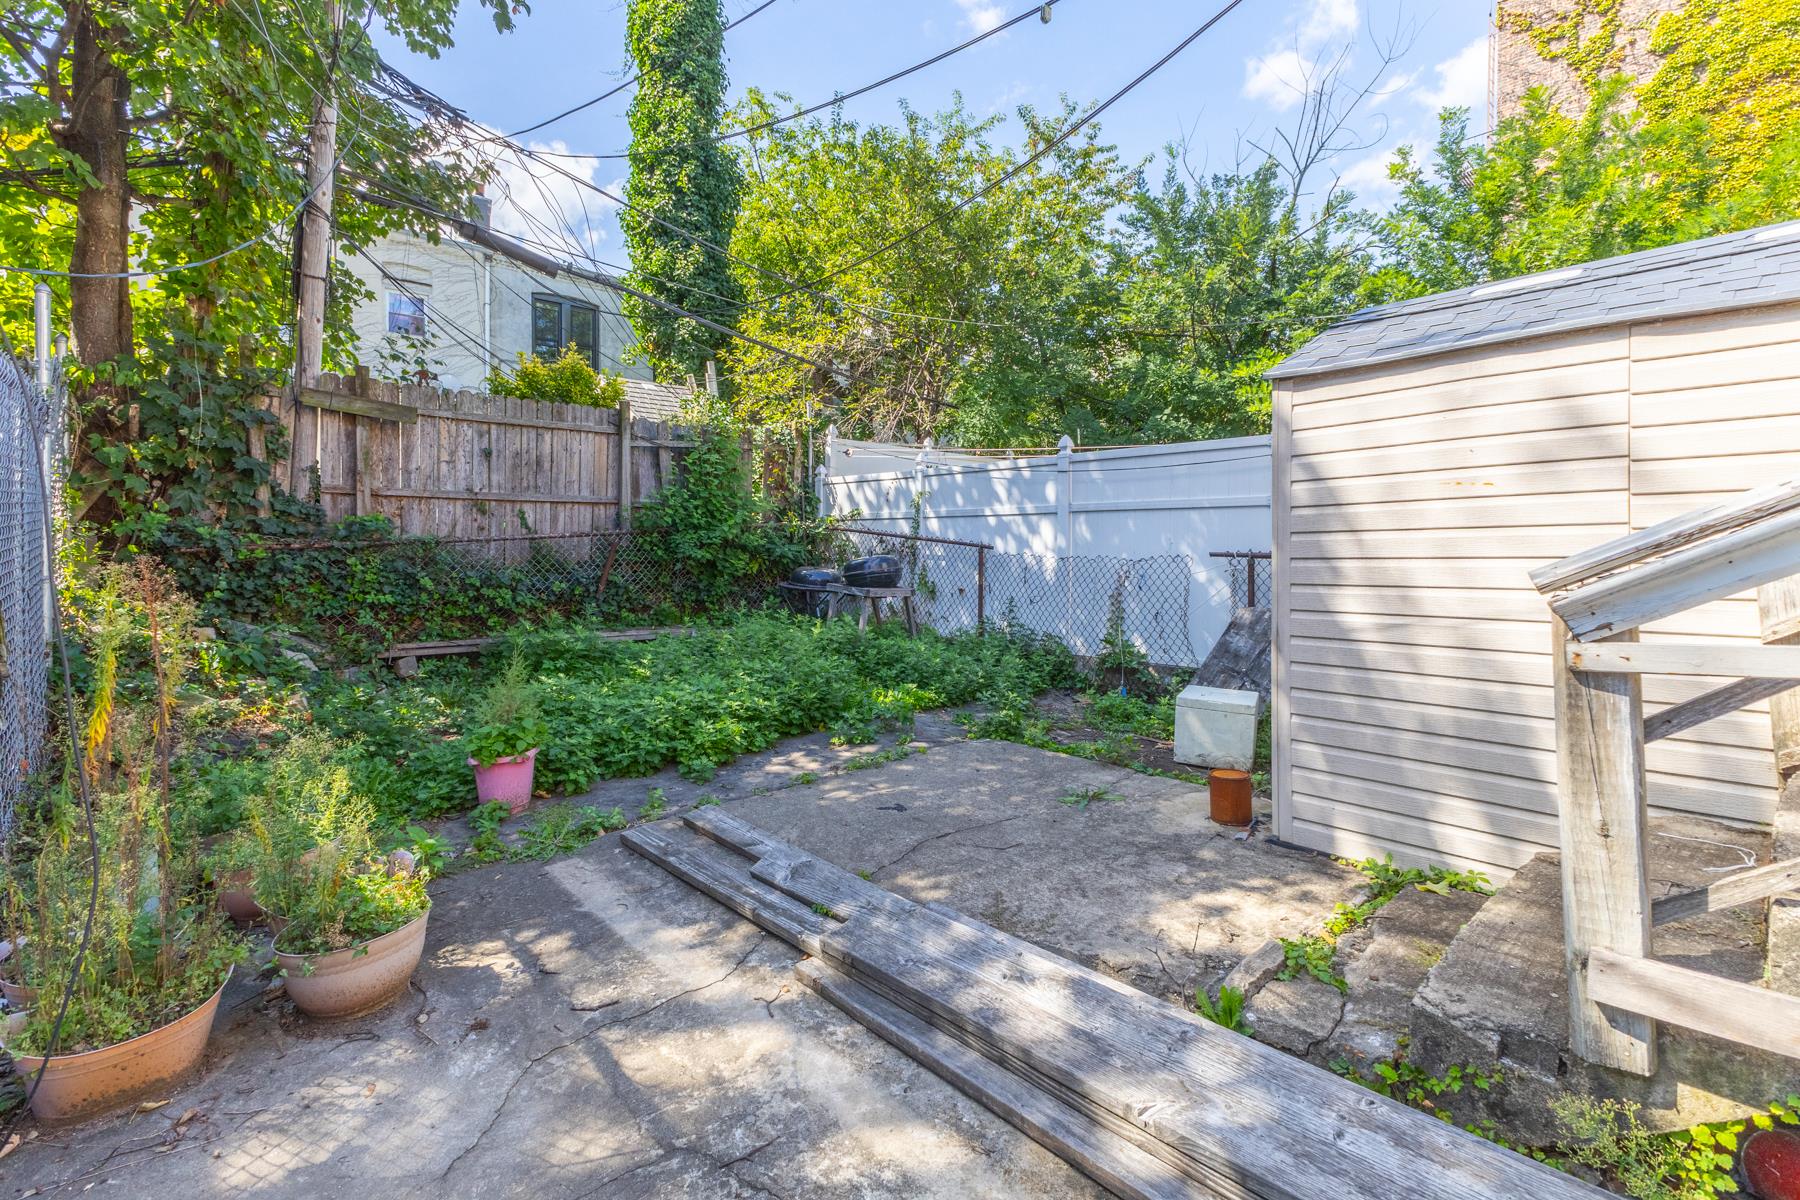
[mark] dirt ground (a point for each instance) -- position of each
(592, 1027)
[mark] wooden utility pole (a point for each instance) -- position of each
(315, 219)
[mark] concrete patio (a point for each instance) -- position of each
(593, 1027)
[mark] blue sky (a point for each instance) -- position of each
(1226, 93)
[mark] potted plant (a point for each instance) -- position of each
(231, 866)
(127, 952)
(349, 923)
(503, 744)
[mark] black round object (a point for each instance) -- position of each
(805, 590)
(875, 571)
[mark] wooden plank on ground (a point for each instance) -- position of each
(1101, 1155)
(1215, 1102)
(1737, 1012)
(1745, 887)
(478, 644)
(725, 877)
(1223, 1100)
(1240, 659)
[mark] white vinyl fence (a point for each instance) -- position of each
(1073, 529)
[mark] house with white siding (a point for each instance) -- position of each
(455, 309)
(1429, 454)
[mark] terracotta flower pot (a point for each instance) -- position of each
(236, 898)
(507, 780)
(18, 995)
(347, 983)
(76, 1084)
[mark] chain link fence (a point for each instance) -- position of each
(959, 585)
(25, 471)
(1252, 577)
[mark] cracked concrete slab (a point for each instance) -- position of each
(592, 1027)
(1141, 885)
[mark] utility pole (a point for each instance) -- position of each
(315, 220)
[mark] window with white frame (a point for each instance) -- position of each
(405, 314)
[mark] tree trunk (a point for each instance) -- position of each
(100, 309)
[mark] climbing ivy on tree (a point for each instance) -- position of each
(682, 176)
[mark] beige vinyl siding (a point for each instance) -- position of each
(1412, 664)
(1715, 410)
(1414, 672)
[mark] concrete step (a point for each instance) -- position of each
(1498, 998)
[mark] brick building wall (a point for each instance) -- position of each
(1518, 66)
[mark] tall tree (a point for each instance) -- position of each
(168, 137)
(683, 185)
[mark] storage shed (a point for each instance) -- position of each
(1429, 454)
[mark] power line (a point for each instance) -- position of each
(153, 272)
(1073, 128)
(1037, 10)
(611, 92)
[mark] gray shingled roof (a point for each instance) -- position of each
(1736, 270)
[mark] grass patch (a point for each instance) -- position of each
(1080, 798)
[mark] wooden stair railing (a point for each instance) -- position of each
(1598, 600)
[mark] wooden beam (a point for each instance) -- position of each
(1745, 887)
(1668, 535)
(1686, 658)
(1092, 1147)
(627, 476)
(1717, 703)
(1778, 608)
(364, 406)
(1737, 1012)
(476, 645)
(1603, 815)
(1684, 579)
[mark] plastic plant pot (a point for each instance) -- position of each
(360, 979)
(507, 780)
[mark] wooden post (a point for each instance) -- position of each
(627, 485)
(1603, 815)
(1778, 604)
(315, 221)
(981, 589)
(361, 499)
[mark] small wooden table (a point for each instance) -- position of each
(867, 601)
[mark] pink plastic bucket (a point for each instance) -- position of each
(507, 779)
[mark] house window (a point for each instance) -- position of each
(405, 314)
(557, 323)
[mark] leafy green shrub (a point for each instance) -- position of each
(507, 721)
(485, 818)
(568, 379)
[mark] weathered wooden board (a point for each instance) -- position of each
(1668, 536)
(725, 876)
(1745, 887)
(1689, 574)
(471, 465)
(1738, 1012)
(1712, 705)
(1750, 661)
(1102, 1155)
(1224, 1101)
(1603, 811)
(1239, 660)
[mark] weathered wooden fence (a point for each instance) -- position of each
(467, 464)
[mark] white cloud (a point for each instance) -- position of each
(1278, 77)
(1368, 175)
(981, 16)
(1462, 80)
(535, 202)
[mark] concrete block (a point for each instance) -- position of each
(1216, 727)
